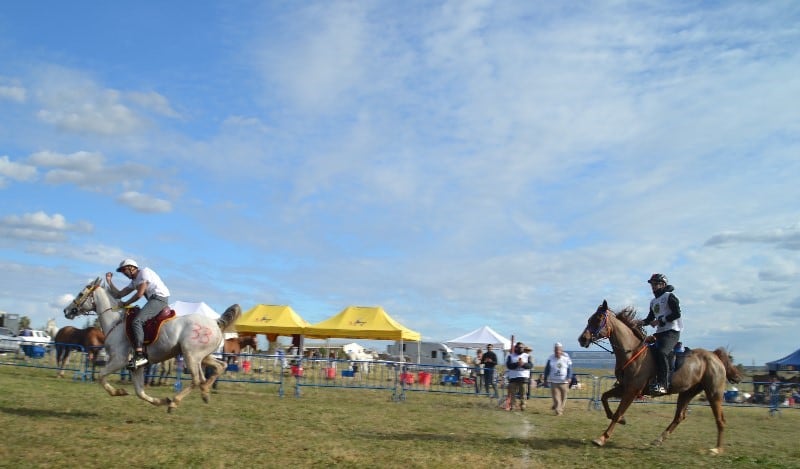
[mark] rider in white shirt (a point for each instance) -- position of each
(145, 283)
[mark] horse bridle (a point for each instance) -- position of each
(604, 324)
(81, 299)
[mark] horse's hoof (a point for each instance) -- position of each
(205, 398)
(598, 442)
(622, 421)
(657, 442)
(715, 451)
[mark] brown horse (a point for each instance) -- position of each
(701, 371)
(70, 338)
(234, 346)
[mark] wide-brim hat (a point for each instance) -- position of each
(125, 263)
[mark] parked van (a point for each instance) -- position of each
(428, 353)
(36, 337)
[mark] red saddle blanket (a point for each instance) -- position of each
(152, 326)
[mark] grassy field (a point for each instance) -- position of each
(47, 422)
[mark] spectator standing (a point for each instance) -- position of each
(558, 372)
(489, 361)
(529, 351)
(477, 370)
(518, 368)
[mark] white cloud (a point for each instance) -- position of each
(13, 93)
(39, 226)
(144, 203)
(87, 170)
(153, 101)
(15, 171)
(73, 102)
(62, 301)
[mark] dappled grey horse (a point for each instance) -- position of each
(195, 336)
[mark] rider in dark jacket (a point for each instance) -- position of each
(665, 316)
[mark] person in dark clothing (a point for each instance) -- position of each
(489, 361)
(665, 316)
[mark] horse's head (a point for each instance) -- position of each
(83, 302)
(597, 327)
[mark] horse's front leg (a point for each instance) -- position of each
(616, 391)
(61, 361)
(625, 401)
(115, 363)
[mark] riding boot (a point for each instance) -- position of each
(138, 359)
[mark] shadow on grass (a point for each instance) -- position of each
(532, 442)
(27, 412)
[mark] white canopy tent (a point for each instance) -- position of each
(185, 308)
(479, 338)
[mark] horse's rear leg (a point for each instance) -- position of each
(219, 368)
(198, 380)
(716, 408)
(680, 414)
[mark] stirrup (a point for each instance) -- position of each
(137, 361)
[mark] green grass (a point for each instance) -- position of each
(50, 422)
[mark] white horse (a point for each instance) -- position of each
(361, 359)
(195, 336)
(51, 328)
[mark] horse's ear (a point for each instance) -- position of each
(605, 305)
(96, 282)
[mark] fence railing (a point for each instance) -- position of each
(400, 379)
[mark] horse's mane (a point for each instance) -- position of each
(627, 316)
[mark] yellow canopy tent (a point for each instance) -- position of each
(272, 320)
(362, 322)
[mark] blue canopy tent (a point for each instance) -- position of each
(790, 362)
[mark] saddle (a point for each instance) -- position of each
(152, 327)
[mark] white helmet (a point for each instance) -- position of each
(127, 262)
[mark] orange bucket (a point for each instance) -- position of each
(297, 371)
(246, 366)
(407, 378)
(330, 373)
(424, 378)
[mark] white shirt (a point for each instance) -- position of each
(155, 286)
(559, 368)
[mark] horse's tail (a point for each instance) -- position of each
(732, 374)
(229, 316)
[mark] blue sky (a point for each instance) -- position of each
(461, 164)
